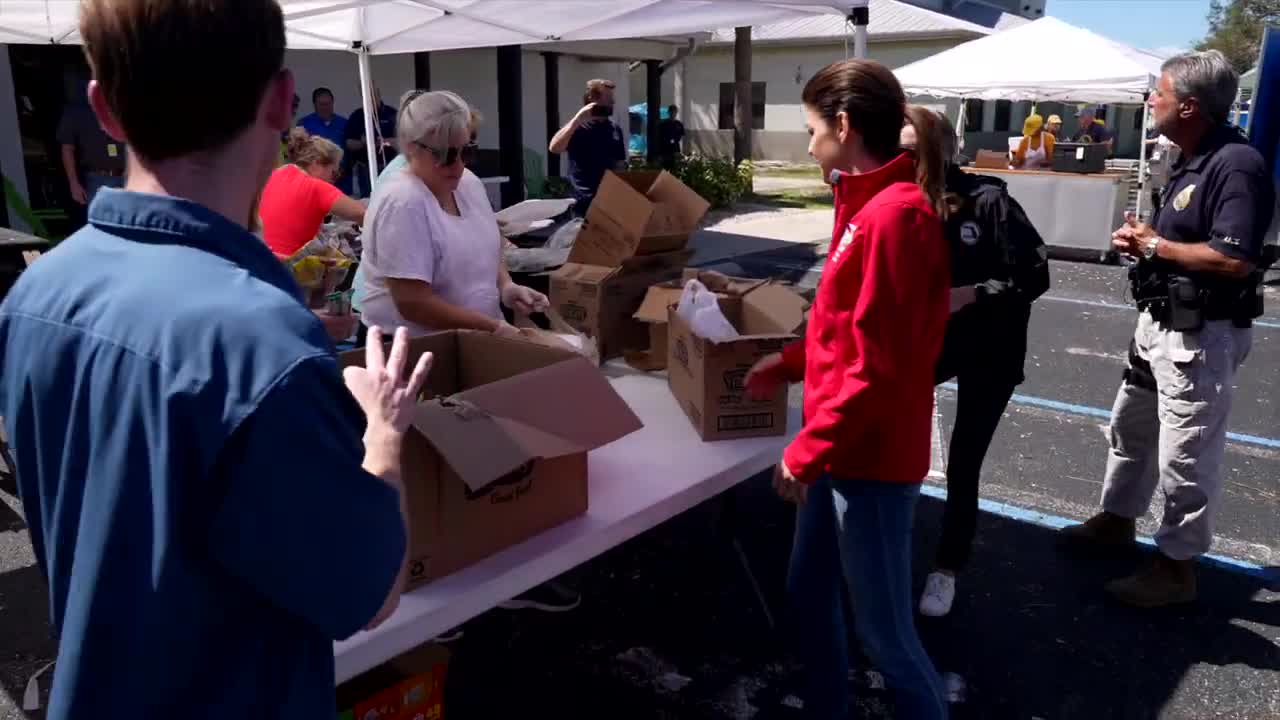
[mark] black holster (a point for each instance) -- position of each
(1186, 304)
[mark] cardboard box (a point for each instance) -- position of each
(991, 160)
(708, 379)
(410, 687)
(637, 213)
(600, 301)
(659, 297)
(498, 451)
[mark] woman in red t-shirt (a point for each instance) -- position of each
(300, 194)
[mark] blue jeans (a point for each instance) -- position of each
(860, 531)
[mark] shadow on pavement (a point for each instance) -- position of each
(711, 247)
(1035, 636)
(10, 520)
(26, 639)
(670, 628)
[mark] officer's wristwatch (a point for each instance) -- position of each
(1149, 247)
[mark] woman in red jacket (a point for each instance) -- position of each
(867, 362)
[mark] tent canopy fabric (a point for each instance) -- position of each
(1042, 60)
(383, 27)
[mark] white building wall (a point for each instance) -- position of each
(784, 70)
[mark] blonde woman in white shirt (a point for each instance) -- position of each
(433, 253)
(432, 249)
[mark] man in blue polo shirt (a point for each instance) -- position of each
(189, 461)
(594, 143)
(329, 125)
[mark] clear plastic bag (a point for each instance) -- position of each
(554, 254)
(701, 309)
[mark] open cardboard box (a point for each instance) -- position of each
(634, 236)
(498, 449)
(653, 310)
(600, 301)
(637, 213)
(709, 379)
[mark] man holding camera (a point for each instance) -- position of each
(594, 143)
(1197, 287)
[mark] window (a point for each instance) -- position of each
(1102, 113)
(1004, 111)
(757, 106)
(973, 115)
(1137, 118)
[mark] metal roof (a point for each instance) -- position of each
(890, 19)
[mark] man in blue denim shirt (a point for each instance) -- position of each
(189, 460)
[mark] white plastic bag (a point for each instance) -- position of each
(701, 309)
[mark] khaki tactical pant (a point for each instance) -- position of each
(1175, 433)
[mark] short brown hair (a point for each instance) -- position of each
(305, 150)
(159, 61)
(935, 152)
(595, 88)
(868, 93)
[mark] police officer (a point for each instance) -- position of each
(1196, 283)
(999, 265)
(594, 143)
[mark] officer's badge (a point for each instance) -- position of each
(970, 233)
(1184, 198)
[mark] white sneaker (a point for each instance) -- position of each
(939, 592)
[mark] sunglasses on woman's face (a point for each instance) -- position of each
(449, 156)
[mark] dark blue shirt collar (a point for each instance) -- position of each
(166, 220)
(1212, 142)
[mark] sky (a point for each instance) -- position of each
(1150, 24)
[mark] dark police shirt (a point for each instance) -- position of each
(189, 464)
(670, 134)
(593, 150)
(1221, 194)
(384, 125)
(997, 250)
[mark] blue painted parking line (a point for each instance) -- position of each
(1269, 575)
(1119, 306)
(1075, 409)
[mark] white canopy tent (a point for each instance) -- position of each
(1042, 60)
(382, 27)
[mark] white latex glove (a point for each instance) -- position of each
(524, 300)
(507, 330)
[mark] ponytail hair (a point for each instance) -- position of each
(935, 153)
(304, 150)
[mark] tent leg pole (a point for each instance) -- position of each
(859, 16)
(370, 113)
(1142, 157)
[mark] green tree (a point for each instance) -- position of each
(1235, 29)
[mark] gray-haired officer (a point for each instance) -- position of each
(1196, 283)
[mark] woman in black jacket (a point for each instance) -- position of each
(998, 267)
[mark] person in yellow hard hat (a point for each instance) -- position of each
(1036, 149)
